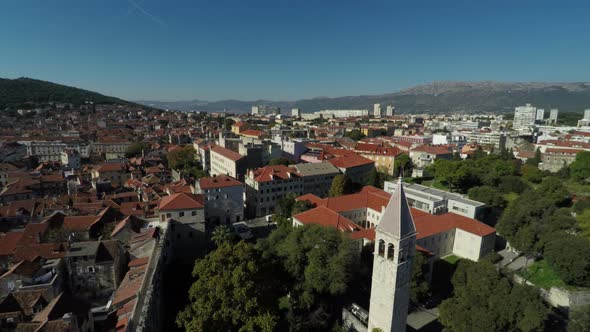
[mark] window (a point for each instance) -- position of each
(91, 269)
(381, 249)
(193, 213)
(168, 215)
(390, 251)
(181, 214)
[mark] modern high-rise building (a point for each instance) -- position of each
(390, 111)
(553, 115)
(524, 116)
(295, 112)
(587, 114)
(265, 110)
(540, 114)
(377, 110)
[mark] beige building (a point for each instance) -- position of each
(227, 162)
(267, 185)
(555, 159)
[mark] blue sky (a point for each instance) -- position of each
(285, 50)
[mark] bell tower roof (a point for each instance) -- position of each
(397, 219)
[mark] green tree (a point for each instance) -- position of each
(402, 163)
(280, 161)
(354, 134)
(536, 159)
(340, 186)
(136, 149)
(234, 290)
(181, 158)
(488, 195)
(532, 173)
(484, 300)
(419, 286)
(580, 168)
(568, 256)
(221, 234)
(318, 262)
(579, 320)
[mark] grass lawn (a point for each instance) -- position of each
(435, 184)
(541, 274)
(452, 259)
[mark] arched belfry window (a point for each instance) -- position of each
(402, 255)
(390, 251)
(381, 248)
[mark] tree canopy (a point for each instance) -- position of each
(340, 186)
(234, 291)
(568, 256)
(354, 134)
(183, 159)
(580, 168)
(484, 300)
(136, 149)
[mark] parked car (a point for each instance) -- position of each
(243, 230)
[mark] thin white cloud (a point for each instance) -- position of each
(145, 13)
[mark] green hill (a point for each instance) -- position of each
(23, 92)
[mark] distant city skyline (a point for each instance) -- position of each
(281, 50)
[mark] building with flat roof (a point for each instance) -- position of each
(435, 201)
(317, 177)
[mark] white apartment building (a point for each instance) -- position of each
(377, 110)
(344, 113)
(524, 117)
(540, 114)
(295, 112)
(226, 162)
(224, 199)
(436, 201)
(390, 111)
(495, 139)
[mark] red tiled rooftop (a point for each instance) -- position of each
(227, 153)
(351, 160)
(219, 181)
(181, 201)
(8, 242)
(270, 173)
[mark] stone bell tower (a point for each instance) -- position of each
(395, 246)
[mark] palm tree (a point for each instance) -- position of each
(221, 234)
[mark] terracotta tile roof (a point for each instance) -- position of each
(428, 224)
(8, 242)
(328, 218)
(181, 201)
(33, 234)
(138, 262)
(275, 172)
(79, 223)
(348, 161)
(376, 199)
(562, 151)
(570, 144)
(227, 153)
(130, 286)
(112, 167)
(251, 132)
(433, 149)
(44, 250)
(219, 181)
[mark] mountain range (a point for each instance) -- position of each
(435, 97)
